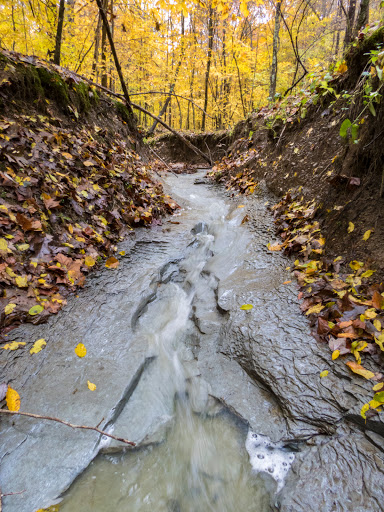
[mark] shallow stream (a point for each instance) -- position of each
(155, 357)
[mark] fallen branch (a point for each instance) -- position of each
(171, 94)
(164, 162)
(186, 141)
(138, 107)
(58, 420)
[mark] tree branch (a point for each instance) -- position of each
(57, 420)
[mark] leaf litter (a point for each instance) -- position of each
(67, 196)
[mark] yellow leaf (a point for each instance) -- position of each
(112, 262)
(91, 386)
(380, 341)
(275, 247)
(324, 373)
(243, 8)
(9, 308)
(88, 163)
(22, 282)
(355, 265)
(23, 247)
(315, 309)
(367, 273)
(35, 310)
(364, 409)
(246, 307)
(377, 324)
(89, 261)
(370, 313)
(84, 193)
(360, 370)
(122, 253)
(14, 345)
(241, 206)
(351, 227)
(367, 234)
(80, 350)
(378, 386)
(3, 244)
(37, 346)
(13, 399)
(335, 354)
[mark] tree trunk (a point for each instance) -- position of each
(173, 84)
(104, 77)
(59, 33)
(362, 17)
(350, 23)
(210, 46)
(97, 47)
(273, 76)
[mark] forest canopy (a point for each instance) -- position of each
(220, 60)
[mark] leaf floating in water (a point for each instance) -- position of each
(14, 345)
(13, 399)
(324, 373)
(91, 386)
(35, 310)
(112, 262)
(37, 346)
(246, 307)
(80, 350)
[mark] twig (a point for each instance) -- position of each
(164, 162)
(52, 418)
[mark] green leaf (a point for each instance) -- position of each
(372, 108)
(35, 310)
(346, 124)
(354, 131)
(379, 397)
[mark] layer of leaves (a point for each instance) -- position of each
(67, 196)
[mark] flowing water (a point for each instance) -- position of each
(202, 462)
(194, 452)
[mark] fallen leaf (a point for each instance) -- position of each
(35, 310)
(80, 350)
(91, 386)
(287, 282)
(112, 262)
(355, 265)
(275, 247)
(122, 253)
(324, 373)
(378, 386)
(37, 346)
(364, 409)
(379, 397)
(22, 282)
(360, 370)
(14, 345)
(367, 234)
(89, 261)
(335, 354)
(315, 309)
(351, 227)
(9, 308)
(246, 307)
(13, 399)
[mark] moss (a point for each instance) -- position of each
(94, 97)
(54, 86)
(122, 111)
(82, 94)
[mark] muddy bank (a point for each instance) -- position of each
(261, 365)
(172, 149)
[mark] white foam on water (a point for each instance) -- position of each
(268, 457)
